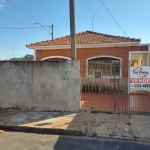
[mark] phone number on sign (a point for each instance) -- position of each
(141, 85)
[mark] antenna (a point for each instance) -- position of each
(93, 23)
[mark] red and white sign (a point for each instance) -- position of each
(140, 78)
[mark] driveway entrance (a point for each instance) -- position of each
(111, 93)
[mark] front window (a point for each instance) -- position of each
(104, 66)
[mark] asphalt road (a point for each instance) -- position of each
(27, 141)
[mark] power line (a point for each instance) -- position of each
(25, 12)
(114, 18)
(11, 47)
(102, 7)
(12, 18)
(20, 22)
(11, 28)
(57, 32)
(22, 10)
(45, 28)
(98, 15)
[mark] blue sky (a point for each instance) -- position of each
(132, 15)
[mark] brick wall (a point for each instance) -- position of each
(84, 53)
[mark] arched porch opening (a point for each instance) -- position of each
(55, 58)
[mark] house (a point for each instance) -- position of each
(99, 54)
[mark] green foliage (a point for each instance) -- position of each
(94, 134)
(109, 113)
(128, 123)
(27, 57)
(111, 135)
(86, 123)
(94, 111)
(135, 137)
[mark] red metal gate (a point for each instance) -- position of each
(109, 92)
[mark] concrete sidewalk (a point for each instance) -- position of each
(132, 127)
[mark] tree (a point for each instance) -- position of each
(27, 57)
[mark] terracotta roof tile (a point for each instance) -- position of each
(87, 37)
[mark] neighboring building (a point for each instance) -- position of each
(96, 52)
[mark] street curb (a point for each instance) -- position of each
(54, 131)
(126, 139)
(41, 130)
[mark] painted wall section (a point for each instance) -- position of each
(84, 53)
(40, 85)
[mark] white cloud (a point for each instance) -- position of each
(1, 6)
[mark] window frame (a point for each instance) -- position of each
(104, 76)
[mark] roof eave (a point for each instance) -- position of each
(84, 45)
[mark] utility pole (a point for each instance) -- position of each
(52, 26)
(72, 30)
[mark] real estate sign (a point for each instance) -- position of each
(140, 78)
